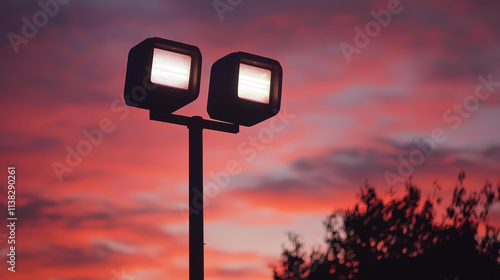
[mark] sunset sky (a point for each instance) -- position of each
(373, 91)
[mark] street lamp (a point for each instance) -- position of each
(245, 89)
(162, 75)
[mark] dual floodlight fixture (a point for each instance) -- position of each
(164, 76)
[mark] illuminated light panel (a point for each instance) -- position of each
(254, 83)
(171, 69)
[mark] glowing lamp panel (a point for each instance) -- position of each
(254, 83)
(171, 69)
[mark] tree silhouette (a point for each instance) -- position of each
(402, 239)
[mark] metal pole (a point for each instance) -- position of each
(196, 243)
(195, 125)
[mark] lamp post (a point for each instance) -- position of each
(245, 89)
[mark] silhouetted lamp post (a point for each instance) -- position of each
(245, 89)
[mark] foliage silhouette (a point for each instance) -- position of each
(402, 239)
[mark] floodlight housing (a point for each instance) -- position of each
(244, 89)
(162, 75)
